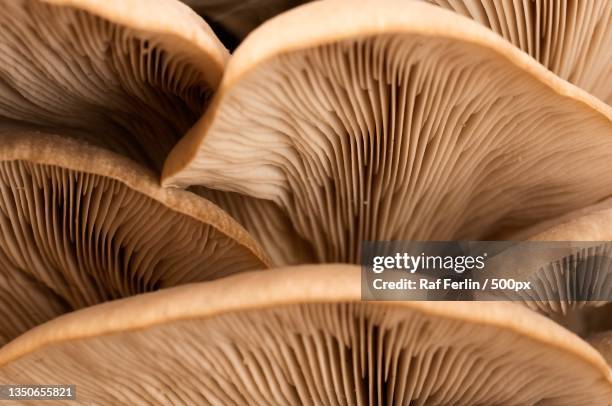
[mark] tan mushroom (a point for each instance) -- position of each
(395, 121)
(302, 336)
(266, 222)
(570, 37)
(603, 343)
(25, 302)
(80, 225)
(570, 281)
(591, 223)
(129, 75)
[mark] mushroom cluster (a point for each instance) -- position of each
(182, 225)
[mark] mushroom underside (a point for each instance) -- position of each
(318, 351)
(72, 236)
(35, 305)
(602, 342)
(569, 37)
(399, 136)
(266, 222)
(570, 271)
(69, 71)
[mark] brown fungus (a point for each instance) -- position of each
(128, 75)
(266, 222)
(302, 336)
(602, 343)
(80, 225)
(570, 281)
(395, 121)
(570, 37)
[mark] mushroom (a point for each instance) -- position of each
(266, 222)
(591, 223)
(571, 272)
(128, 75)
(24, 303)
(80, 225)
(395, 121)
(603, 343)
(570, 37)
(300, 336)
(234, 19)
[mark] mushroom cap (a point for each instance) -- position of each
(80, 225)
(301, 335)
(395, 121)
(129, 75)
(571, 38)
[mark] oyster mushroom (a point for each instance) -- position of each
(591, 223)
(302, 336)
(25, 302)
(570, 37)
(603, 343)
(410, 122)
(571, 281)
(266, 222)
(80, 225)
(129, 75)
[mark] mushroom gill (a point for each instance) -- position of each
(570, 281)
(266, 222)
(25, 302)
(80, 225)
(602, 342)
(128, 75)
(395, 121)
(302, 336)
(570, 37)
